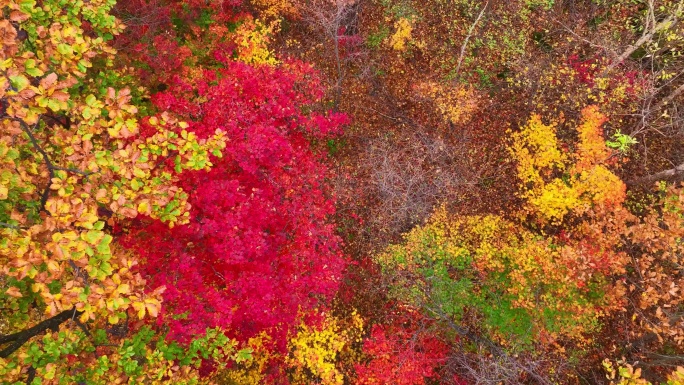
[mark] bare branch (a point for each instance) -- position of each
(663, 175)
(669, 97)
(470, 32)
(9, 226)
(668, 22)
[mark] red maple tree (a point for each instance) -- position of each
(260, 248)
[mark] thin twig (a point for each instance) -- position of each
(46, 159)
(10, 226)
(591, 43)
(50, 166)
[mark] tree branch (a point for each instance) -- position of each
(46, 159)
(495, 349)
(647, 36)
(669, 97)
(31, 375)
(470, 33)
(663, 175)
(18, 339)
(9, 226)
(50, 166)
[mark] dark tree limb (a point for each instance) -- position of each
(494, 348)
(669, 97)
(675, 172)
(31, 375)
(18, 339)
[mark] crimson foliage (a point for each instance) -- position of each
(402, 352)
(260, 248)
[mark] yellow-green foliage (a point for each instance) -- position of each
(520, 287)
(250, 372)
(556, 183)
(316, 350)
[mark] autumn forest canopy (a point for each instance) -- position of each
(243, 192)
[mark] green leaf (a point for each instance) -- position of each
(19, 82)
(90, 100)
(93, 236)
(244, 355)
(53, 105)
(106, 268)
(35, 72)
(103, 246)
(65, 49)
(42, 101)
(27, 6)
(135, 184)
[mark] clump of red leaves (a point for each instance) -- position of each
(260, 247)
(402, 352)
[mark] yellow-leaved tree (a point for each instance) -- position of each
(514, 289)
(556, 183)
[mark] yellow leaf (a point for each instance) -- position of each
(113, 319)
(53, 266)
(138, 172)
(5, 64)
(124, 288)
(140, 307)
(144, 207)
(3, 192)
(36, 287)
(32, 272)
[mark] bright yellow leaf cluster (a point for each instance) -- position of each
(556, 183)
(627, 374)
(315, 350)
(252, 38)
(402, 35)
